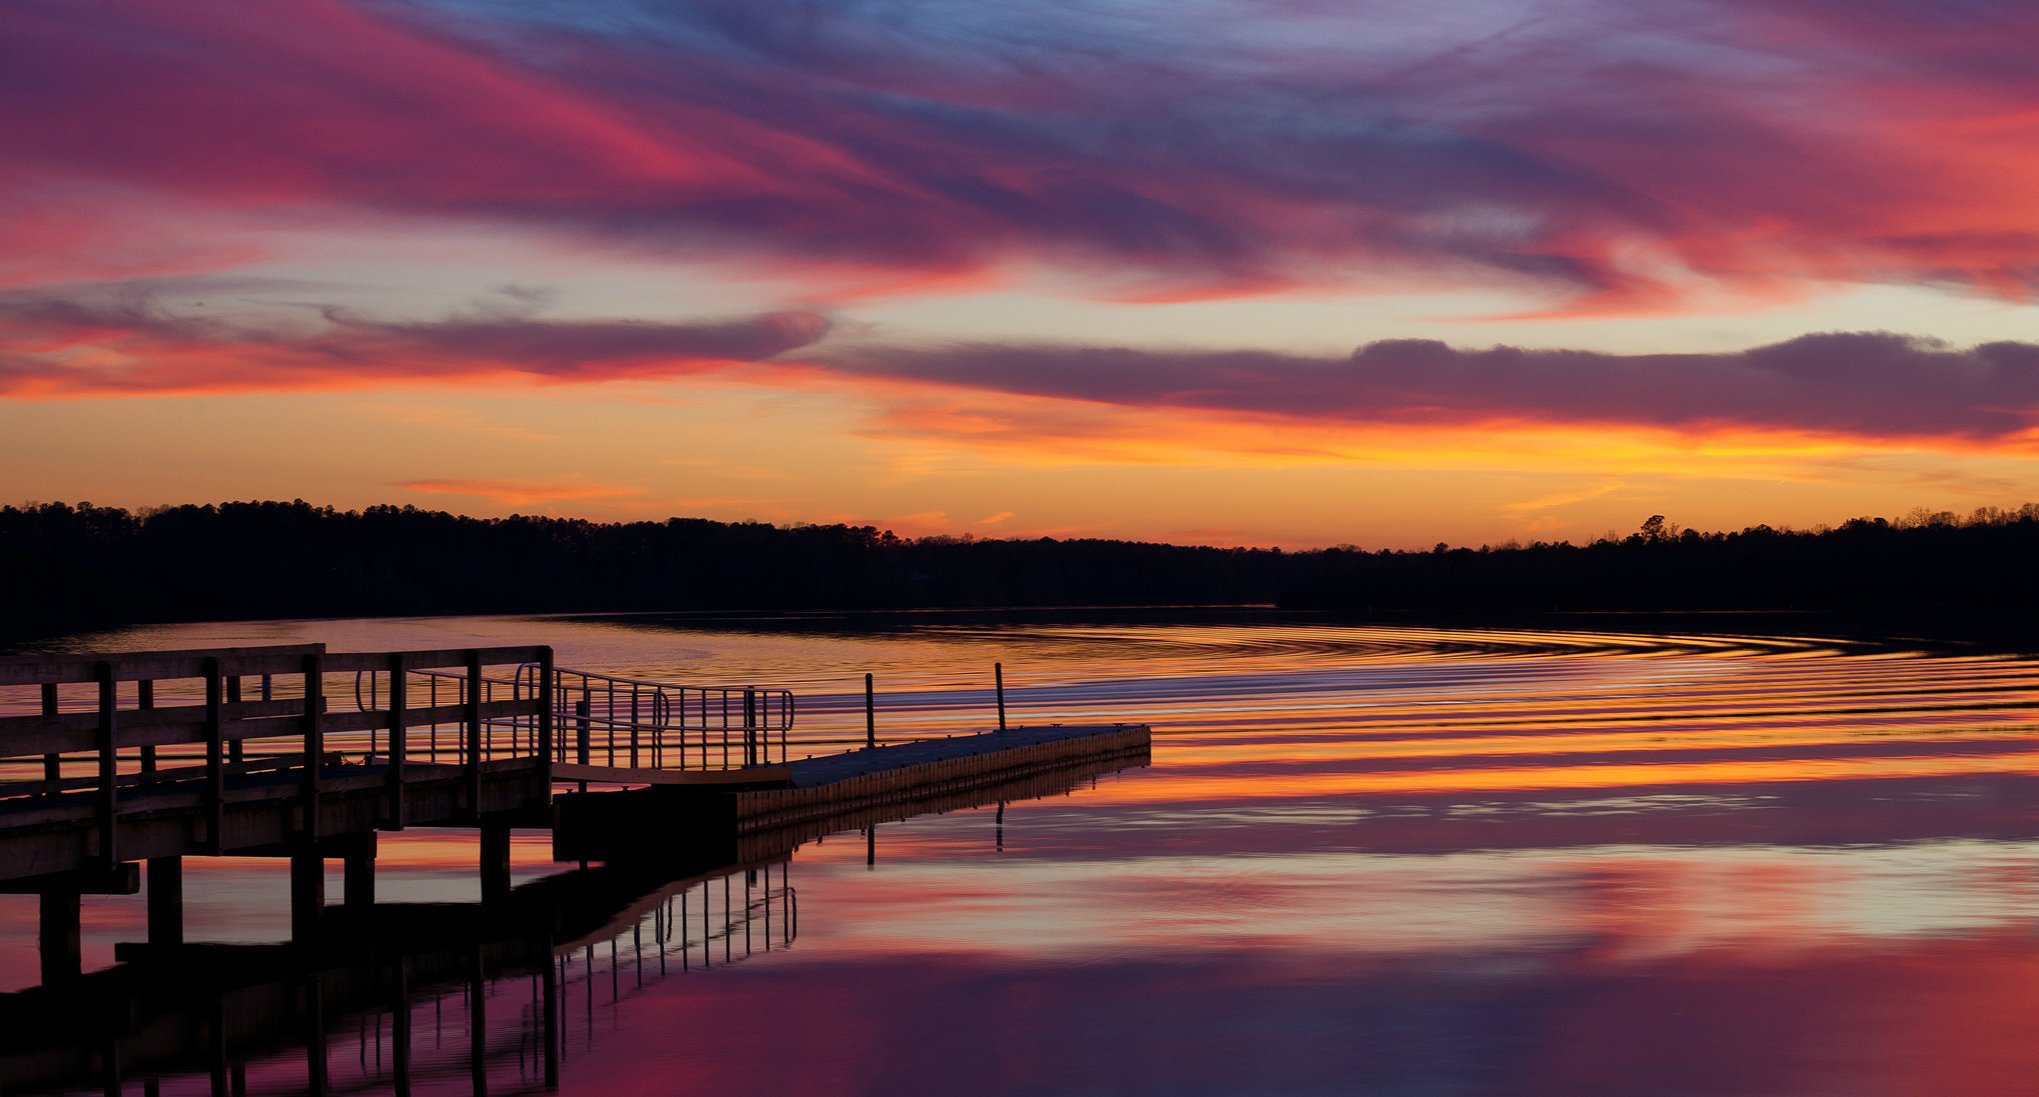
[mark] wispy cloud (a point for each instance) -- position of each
(1611, 154)
(122, 340)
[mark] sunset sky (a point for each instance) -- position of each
(1292, 272)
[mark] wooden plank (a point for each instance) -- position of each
(29, 670)
(351, 662)
(72, 732)
(124, 878)
(161, 777)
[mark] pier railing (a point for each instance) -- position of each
(611, 721)
(110, 727)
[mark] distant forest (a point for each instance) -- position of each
(69, 568)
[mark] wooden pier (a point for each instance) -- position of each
(299, 753)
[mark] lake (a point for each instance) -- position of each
(1381, 860)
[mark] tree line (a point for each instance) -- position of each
(74, 567)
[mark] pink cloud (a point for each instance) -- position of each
(1757, 147)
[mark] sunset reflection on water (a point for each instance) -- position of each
(1364, 860)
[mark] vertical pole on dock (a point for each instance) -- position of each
(314, 741)
(474, 742)
(545, 714)
(145, 699)
(109, 769)
(215, 761)
(750, 726)
(870, 715)
(52, 764)
(399, 738)
(236, 750)
(998, 676)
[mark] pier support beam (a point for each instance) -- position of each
(166, 901)
(358, 875)
(62, 954)
(495, 860)
(307, 894)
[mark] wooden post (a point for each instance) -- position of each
(215, 763)
(235, 750)
(145, 699)
(357, 873)
(495, 860)
(870, 714)
(545, 728)
(166, 901)
(399, 699)
(307, 894)
(998, 676)
(109, 769)
(750, 726)
(62, 958)
(473, 719)
(314, 741)
(52, 764)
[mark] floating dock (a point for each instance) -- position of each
(834, 791)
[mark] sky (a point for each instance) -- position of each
(1288, 272)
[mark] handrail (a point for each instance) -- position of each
(625, 723)
(118, 734)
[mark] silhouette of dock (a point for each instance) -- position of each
(299, 753)
(397, 992)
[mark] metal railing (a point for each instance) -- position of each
(612, 721)
(82, 721)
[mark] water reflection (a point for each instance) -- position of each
(442, 997)
(1373, 860)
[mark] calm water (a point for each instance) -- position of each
(1364, 860)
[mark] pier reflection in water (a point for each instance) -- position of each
(405, 1004)
(438, 997)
